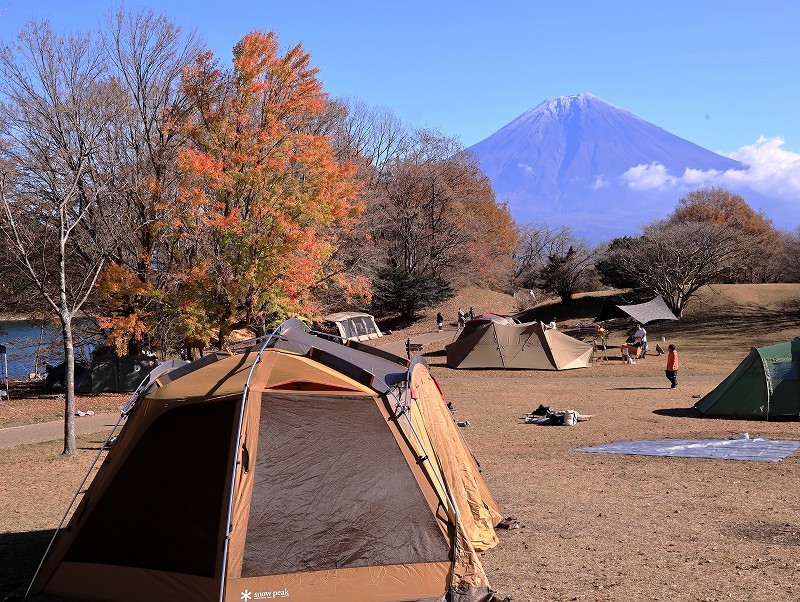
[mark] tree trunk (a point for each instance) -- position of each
(69, 386)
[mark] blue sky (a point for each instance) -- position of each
(719, 73)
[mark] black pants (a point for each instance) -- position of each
(672, 375)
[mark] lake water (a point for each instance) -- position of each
(22, 339)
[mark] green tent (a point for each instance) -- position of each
(766, 384)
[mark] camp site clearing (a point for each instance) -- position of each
(597, 526)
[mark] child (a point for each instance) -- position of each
(672, 366)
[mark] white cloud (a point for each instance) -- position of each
(525, 167)
(599, 182)
(647, 177)
(768, 169)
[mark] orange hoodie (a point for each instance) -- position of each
(672, 360)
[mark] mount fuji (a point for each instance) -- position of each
(582, 162)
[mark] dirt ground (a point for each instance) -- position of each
(598, 527)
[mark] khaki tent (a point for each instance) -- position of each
(308, 470)
(355, 326)
(492, 341)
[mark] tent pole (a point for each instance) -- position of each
(235, 463)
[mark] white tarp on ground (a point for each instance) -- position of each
(761, 450)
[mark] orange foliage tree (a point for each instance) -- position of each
(261, 193)
(145, 54)
(439, 215)
(725, 209)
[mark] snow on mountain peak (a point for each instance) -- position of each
(547, 162)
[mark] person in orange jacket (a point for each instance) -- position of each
(672, 366)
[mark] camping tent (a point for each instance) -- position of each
(305, 470)
(644, 313)
(766, 384)
(355, 326)
(492, 341)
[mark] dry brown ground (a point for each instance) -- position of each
(18, 411)
(598, 526)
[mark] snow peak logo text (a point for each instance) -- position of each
(248, 595)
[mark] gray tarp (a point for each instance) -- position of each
(763, 450)
(653, 310)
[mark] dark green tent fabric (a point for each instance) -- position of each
(766, 384)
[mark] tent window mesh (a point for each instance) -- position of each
(163, 509)
(333, 490)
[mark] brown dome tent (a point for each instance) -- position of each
(492, 341)
(304, 469)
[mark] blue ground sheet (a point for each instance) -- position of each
(760, 450)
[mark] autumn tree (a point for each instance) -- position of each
(59, 101)
(791, 257)
(675, 260)
(260, 190)
(728, 210)
(436, 214)
(146, 55)
(367, 138)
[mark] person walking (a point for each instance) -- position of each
(462, 318)
(439, 321)
(672, 366)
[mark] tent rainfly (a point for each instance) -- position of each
(304, 470)
(355, 326)
(765, 385)
(492, 341)
(644, 313)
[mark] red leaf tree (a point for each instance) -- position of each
(261, 193)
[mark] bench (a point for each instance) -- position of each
(412, 347)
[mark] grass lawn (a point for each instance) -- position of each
(597, 526)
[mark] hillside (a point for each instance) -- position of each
(717, 331)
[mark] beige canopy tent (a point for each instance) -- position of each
(304, 470)
(492, 341)
(355, 326)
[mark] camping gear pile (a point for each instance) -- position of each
(297, 468)
(546, 415)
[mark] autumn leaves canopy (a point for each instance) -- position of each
(260, 206)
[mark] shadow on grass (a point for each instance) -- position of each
(21, 553)
(695, 413)
(638, 388)
(680, 412)
(719, 326)
(731, 325)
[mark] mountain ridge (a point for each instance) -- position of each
(574, 159)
